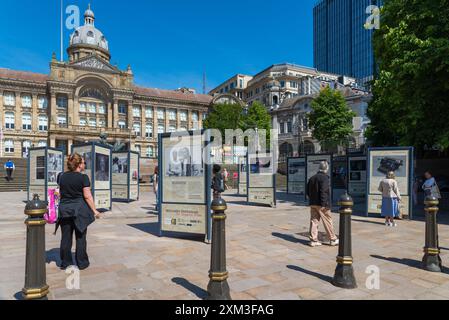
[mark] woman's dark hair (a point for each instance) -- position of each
(216, 169)
(74, 161)
(156, 170)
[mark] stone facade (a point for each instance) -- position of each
(86, 96)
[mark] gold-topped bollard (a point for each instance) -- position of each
(218, 288)
(35, 272)
(344, 272)
(432, 259)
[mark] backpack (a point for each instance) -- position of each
(53, 203)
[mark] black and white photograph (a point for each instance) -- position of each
(101, 167)
(87, 156)
(180, 164)
(52, 177)
(385, 164)
(54, 162)
(120, 164)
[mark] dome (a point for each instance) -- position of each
(88, 34)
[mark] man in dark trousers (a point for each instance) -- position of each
(318, 192)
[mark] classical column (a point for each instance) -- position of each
(178, 119)
(69, 145)
(52, 115)
(167, 119)
(115, 114)
(76, 111)
(200, 120)
(52, 142)
(143, 122)
(189, 120)
(70, 111)
(130, 115)
(109, 111)
(34, 112)
(18, 113)
(2, 111)
(155, 123)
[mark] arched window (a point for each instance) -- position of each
(90, 34)
(9, 120)
(275, 100)
(9, 146)
(26, 101)
(26, 121)
(26, 146)
(90, 37)
(9, 99)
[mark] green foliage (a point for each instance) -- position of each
(224, 116)
(411, 90)
(331, 118)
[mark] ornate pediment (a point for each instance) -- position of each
(94, 62)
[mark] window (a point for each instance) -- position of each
(26, 121)
(92, 107)
(9, 146)
(149, 112)
(122, 124)
(282, 128)
(26, 146)
(241, 83)
(101, 108)
(83, 107)
(9, 99)
(102, 123)
(171, 128)
(42, 102)
(136, 129)
(9, 120)
(204, 116)
(149, 131)
(183, 115)
(83, 122)
(137, 148)
(62, 119)
(62, 101)
(122, 108)
(150, 152)
(182, 129)
(293, 84)
(26, 101)
(92, 122)
(136, 111)
(289, 127)
(232, 85)
(160, 128)
(172, 114)
(195, 116)
(160, 113)
(282, 84)
(42, 143)
(43, 123)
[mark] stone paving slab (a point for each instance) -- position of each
(268, 256)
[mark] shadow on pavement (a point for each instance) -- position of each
(408, 262)
(311, 273)
(199, 292)
(53, 255)
(150, 210)
(290, 238)
(367, 221)
(153, 229)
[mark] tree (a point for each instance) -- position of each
(331, 118)
(411, 91)
(224, 116)
(258, 117)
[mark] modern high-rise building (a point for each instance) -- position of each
(342, 43)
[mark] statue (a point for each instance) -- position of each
(117, 146)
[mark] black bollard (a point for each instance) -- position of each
(218, 288)
(432, 259)
(344, 272)
(35, 273)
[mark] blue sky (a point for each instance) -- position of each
(168, 43)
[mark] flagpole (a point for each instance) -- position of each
(62, 31)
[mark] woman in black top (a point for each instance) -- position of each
(76, 212)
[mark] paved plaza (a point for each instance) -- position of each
(267, 256)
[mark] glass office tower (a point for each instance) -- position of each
(342, 45)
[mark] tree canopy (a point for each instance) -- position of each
(331, 118)
(411, 90)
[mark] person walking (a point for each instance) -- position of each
(156, 186)
(9, 168)
(318, 192)
(225, 175)
(76, 212)
(430, 186)
(390, 199)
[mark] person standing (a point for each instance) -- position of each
(225, 178)
(156, 186)
(9, 168)
(390, 199)
(76, 212)
(217, 182)
(430, 186)
(318, 192)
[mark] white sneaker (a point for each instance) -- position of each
(315, 244)
(334, 243)
(394, 224)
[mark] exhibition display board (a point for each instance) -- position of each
(44, 166)
(380, 162)
(296, 177)
(357, 165)
(242, 176)
(261, 180)
(184, 184)
(125, 176)
(98, 159)
(313, 165)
